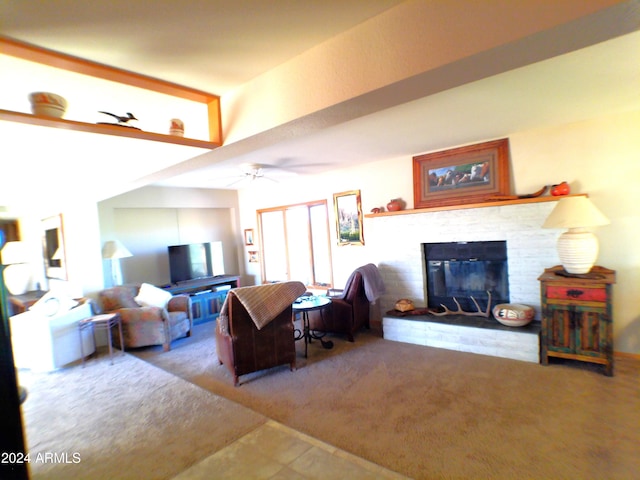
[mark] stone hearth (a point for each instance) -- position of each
(466, 334)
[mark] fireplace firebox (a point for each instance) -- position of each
(464, 270)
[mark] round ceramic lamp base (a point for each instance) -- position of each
(578, 250)
(17, 278)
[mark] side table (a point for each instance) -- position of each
(102, 322)
(577, 316)
(304, 305)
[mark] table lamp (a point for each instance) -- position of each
(577, 247)
(17, 273)
(114, 250)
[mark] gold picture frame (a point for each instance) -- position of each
(348, 212)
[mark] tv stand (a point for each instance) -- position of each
(200, 284)
(207, 295)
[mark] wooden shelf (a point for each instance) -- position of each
(33, 53)
(115, 130)
(497, 203)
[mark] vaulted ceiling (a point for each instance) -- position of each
(219, 45)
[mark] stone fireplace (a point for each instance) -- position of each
(397, 242)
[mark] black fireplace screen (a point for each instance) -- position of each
(464, 270)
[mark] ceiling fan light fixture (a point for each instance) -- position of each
(252, 169)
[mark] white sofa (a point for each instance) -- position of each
(44, 342)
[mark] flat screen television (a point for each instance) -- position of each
(194, 261)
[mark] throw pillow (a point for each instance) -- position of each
(152, 296)
(53, 304)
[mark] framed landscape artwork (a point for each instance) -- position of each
(248, 236)
(53, 248)
(461, 175)
(348, 211)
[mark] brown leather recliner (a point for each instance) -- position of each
(348, 312)
(245, 349)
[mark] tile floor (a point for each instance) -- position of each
(274, 451)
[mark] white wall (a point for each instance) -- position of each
(82, 246)
(147, 232)
(149, 219)
(598, 157)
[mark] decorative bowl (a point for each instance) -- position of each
(404, 305)
(177, 127)
(47, 104)
(513, 314)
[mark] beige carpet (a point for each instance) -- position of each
(126, 413)
(433, 413)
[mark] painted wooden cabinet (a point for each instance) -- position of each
(206, 306)
(577, 318)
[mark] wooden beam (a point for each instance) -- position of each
(26, 51)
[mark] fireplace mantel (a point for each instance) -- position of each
(496, 203)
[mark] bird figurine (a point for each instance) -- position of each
(122, 120)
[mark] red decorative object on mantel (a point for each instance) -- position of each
(395, 205)
(560, 189)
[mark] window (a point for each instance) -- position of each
(295, 244)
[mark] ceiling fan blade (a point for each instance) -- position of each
(290, 165)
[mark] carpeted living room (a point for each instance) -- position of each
(319, 239)
(410, 410)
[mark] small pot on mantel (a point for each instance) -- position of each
(560, 189)
(395, 205)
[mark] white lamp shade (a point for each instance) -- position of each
(576, 211)
(17, 274)
(577, 248)
(14, 252)
(114, 249)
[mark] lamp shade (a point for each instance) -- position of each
(14, 252)
(17, 274)
(571, 212)
(114, 249)
(577, 248)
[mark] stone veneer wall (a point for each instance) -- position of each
(396, 244)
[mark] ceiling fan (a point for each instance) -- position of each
(250, 173)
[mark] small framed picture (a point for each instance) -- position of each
(248, 236)
(53, 248)
(253, 256)
(348, 211)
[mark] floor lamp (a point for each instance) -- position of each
(114, 250)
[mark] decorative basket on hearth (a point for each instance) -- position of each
(513, 314)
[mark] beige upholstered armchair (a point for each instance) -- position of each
(148, 323)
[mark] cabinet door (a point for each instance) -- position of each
(214, 303)
(577, 330)
(559, 331)
(198, 308)
(590, 331)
